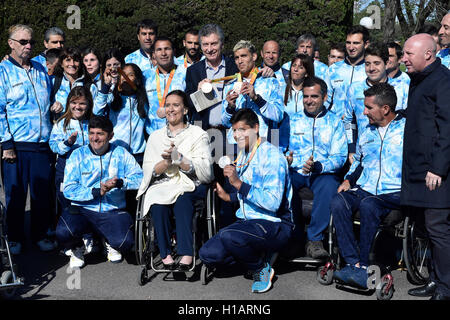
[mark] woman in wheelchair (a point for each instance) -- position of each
(177, 168)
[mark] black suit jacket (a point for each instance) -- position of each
(195, 74)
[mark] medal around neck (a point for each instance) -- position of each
(237, 87)
(224, 161)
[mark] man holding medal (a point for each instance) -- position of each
(249, 90)
(166, 77)
(262, 188)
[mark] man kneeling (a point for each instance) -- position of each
(261, 179)
(95, 179)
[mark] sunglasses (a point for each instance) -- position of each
(24, 42)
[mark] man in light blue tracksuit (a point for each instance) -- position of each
(376, 57)
(147, 30)
(24, 133)
(341, 74)
(95, 180)
(317, 152)
(375, 179)
(260, 94)
(166, 77)
(306, 44)
(263, 190)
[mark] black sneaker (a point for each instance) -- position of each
(315, 250)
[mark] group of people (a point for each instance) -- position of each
(97, 131)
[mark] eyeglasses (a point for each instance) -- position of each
(24, 42)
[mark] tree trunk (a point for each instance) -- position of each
(390, 9)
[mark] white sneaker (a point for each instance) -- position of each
(76, 258)
(15, 247)
(46, 245)
(113, 255)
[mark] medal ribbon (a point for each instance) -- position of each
(162, 98)
(252, 154)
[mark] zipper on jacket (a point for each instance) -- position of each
(381, 151)
(101, 176)
(39, 106)
(131, 124)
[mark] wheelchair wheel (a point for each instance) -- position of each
(386, 290)
(205, 274)
(325, 274)
(142, 234)
(211, 214)
(143, 277)
(7, 278)
(416, 251)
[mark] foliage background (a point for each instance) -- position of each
(111, 23)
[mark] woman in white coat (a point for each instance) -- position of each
(177, 168)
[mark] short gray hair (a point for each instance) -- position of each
(306, 38)
(17, 27)
(244, 44)
(53, 31)
(211, 28)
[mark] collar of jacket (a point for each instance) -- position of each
(99, 155)
(323, 111)
(359, 63)
(14, 62)
(275, 67)
(419, 76)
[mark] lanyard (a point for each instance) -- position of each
(252, 154)
(162, 98)
(185, 62)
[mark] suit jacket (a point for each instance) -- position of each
(195, 74)
(426, 145)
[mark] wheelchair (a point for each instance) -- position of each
(204, 225)
(9, 281)
(396, 234)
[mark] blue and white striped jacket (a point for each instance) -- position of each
(380, 159)
(128, 125)
(42, 60)
(178, 83)
(84, 171)
(140, 58)
(268, 107)
(444, 55)
(24, 104)
(59, 136)
(338, 78)
(64, 90)
(354, 104)
(322, 136)
(266, 191)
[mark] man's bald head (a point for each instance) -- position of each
(270, 53)
(419, 52)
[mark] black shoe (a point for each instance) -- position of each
(315, 250)
(438, 296)
(184, 267)
(423, 291)
(170, 266)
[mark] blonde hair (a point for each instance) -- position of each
(244, 44)
(18, 27)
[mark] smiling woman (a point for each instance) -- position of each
(177, 166)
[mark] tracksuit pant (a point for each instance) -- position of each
(250, 242)
(372, 209)
(324, 187)
(30, 169)
(115, 226)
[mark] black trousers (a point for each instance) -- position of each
(437, 223)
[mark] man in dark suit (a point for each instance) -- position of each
(426, 155)
(214, 66)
